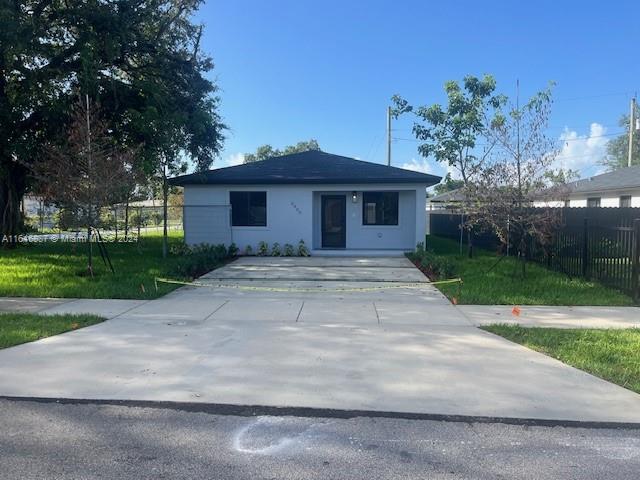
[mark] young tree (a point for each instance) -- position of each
(267, 151)
(519, 172)
(86, 171)
(450, 134)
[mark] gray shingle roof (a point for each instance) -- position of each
(456, 195)
(310, 167)
(616, 180)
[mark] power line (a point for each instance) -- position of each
(592, 136)
(586, 97)
(581, 138)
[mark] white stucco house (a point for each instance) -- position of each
(620, 188)
(336, 204)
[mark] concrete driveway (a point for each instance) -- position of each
(341, 333)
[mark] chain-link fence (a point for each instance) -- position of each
(119, 221)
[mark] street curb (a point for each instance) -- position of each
(310, 412)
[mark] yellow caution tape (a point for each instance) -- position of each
(302, 290)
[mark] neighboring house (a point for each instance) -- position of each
(40, 213)
(333, 203)
(446, 200)
(620, 188)
(444, 203)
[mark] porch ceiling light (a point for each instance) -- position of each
(354, 197)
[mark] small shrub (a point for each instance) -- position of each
(445, 267)
(288, 250)
(263, 249)
(179, 248)
(248, 250)
(199, 260)
(275, 250)
(303, 251)
(435, 266)
(232, 251)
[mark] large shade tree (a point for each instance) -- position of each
(267, 151)
(141, 61)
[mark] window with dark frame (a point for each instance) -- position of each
(380, 208)
(248, 209)
(593, 202)
(625, 201)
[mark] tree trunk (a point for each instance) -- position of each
(165, 201)
(90, 252)
(12, 186)
(115, 220)
(523, 255)
(126, 219)
(470, 242)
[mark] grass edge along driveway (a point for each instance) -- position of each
(488, 281)
(57, 270)
(610, 354)
(18, 328)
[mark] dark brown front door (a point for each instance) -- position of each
(334, 221)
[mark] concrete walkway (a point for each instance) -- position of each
(359, 344)
(333, 269)
(29, 305)
(554, 316)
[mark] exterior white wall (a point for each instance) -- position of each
(549, 204)
(378, 237)
(293, 214)
(578, 202)
(607, 199)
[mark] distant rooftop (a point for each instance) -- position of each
(617, 180)
(451, 196)
(310, 167)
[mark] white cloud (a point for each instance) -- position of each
(416, 166)
(583, 152)
(232, 160)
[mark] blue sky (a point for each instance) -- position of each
(294, 70)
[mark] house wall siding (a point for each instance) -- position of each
(607, 199)
(381, 237)
(293, 214)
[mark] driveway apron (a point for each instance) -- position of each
(350, 333)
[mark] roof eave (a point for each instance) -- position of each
(370, 181)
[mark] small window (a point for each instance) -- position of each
(248, 209)
(380, 208)
(625, 201)
(593, 202)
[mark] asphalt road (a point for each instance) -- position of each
(55, 441)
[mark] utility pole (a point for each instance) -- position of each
(632, 127)
(389, 136)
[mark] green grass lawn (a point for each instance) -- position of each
(503, 284)
(613, 355)
(17, 328)
(59, 270)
